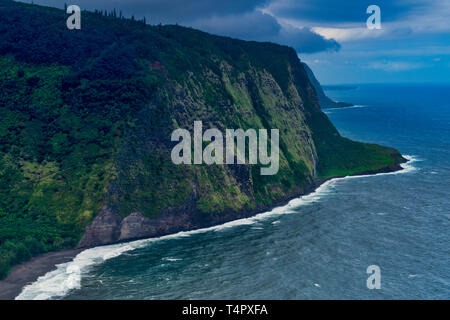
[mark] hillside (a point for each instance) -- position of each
(86, 118)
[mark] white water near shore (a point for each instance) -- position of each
(67, 276)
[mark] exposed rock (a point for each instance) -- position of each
(104, 229)
(108, 227)
(135, 226)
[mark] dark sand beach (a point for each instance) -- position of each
(30, 271)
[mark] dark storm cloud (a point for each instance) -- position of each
(332, 11)
(248, 26)
(263, 27)
(234, 18)
(305, 40)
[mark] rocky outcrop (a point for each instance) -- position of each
(109, 227)
(134, 226)
(104, 229)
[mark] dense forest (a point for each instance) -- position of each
(86, 117)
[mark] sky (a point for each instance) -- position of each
(413, 44)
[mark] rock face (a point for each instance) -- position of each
(135, 226)
(109, 227)
(104, 229)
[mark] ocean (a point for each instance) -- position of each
(318, 246)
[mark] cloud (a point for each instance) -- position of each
(264, 27)
(346, 21)
(305, 40)
(249, 26)
(395, 66)
(331, 12)
(348, 34)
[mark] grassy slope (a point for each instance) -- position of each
(341, 156)
(85, 119)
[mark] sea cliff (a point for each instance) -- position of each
(86, 123)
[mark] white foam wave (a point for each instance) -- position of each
(352, 107)
(68, 275)
(331, 110)
(172, 259)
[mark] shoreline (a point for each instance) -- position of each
(28, 272)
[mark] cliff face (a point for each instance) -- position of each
(86, 123)
(172, 198)
(243, 91)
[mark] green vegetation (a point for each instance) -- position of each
(356, 158)
(86, 118)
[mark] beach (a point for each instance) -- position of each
(30, 271)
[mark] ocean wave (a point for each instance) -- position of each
(352, 107)
(67, 276)
(331, 110)
(172, 259)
